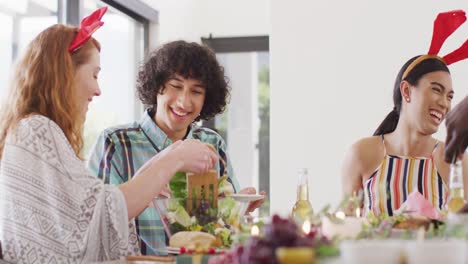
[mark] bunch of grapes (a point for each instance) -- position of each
(279, 233)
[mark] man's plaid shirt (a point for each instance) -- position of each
(120, 151)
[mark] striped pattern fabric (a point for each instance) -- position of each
(396, 177)
(120, 151)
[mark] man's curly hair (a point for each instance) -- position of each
(190, 60)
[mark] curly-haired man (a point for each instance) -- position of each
(181, 83)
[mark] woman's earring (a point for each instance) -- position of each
(407, 99)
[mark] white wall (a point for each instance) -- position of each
(192, 19)
(333, 64)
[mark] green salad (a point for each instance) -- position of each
(220, 221)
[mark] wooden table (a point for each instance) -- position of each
(334, 260)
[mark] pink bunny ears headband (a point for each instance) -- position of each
(88, 25)
(444, 25)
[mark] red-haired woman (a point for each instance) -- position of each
(51, 208)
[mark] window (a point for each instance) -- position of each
(21, 21)
(123, 39)
(122, 49)
(245, 125)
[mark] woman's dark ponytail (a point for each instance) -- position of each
(389, 124)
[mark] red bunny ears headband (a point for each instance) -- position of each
(88, 25)
(444, 25)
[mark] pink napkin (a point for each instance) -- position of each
(417, 204)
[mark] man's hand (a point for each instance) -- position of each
(195, 156)
(255, 204)
(457, 131)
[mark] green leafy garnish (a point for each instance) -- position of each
(225, 235)
(178, 186)
(209, 228)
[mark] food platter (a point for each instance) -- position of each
(177, 251)
(246, 197)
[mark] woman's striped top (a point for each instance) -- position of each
(396, 177)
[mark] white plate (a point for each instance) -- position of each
(173, 250)
(169, 250)
(246, 197)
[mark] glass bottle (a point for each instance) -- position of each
(302, 209)
(457, 193)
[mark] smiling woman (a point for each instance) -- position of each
(403, 156)
(42, 178)
(50, 204)
(433, 78)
